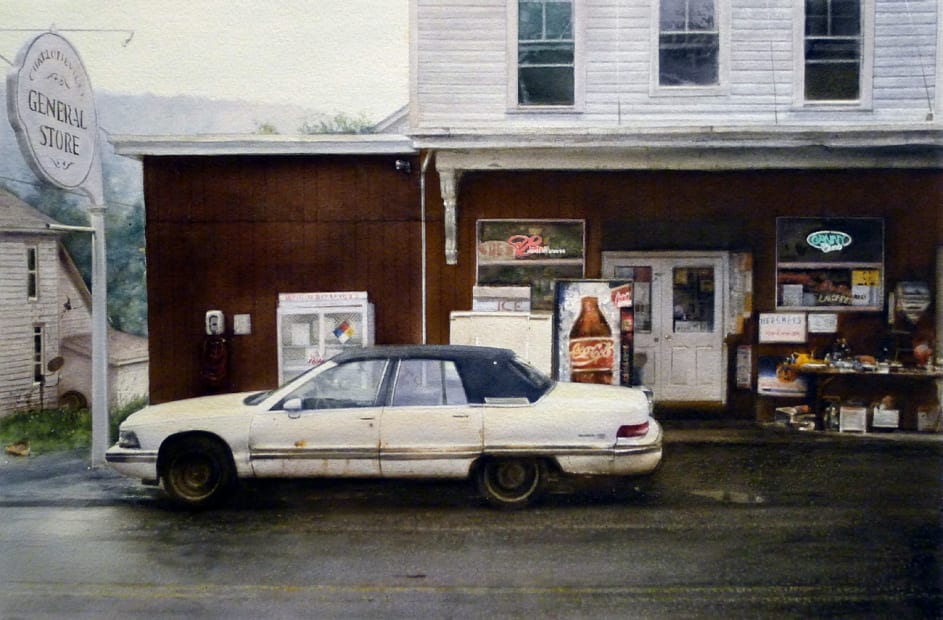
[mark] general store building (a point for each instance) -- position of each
(691, 140)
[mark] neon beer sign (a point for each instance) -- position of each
(829, 240)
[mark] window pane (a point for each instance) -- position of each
(354, 384)
(559, 21)
(454, 390)
(673, 15)
(816, 17)
(825, 50)
(831, 82)
(701, 15)
(846, 18)
(418, 384)
(545, 85)
(530, 21)
(686, 15)
(545, 54)
(693, 299)
(688, 60)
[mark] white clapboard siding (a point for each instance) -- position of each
(18, 316)
(462, 55)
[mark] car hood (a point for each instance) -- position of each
(202, 407)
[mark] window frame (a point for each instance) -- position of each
(39, 354)
(866, 62)
(722, 26)
(32, 272)
(578, 27)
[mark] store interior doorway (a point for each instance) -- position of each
(679, 321)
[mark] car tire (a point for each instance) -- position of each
(197, 472)
(511, 483)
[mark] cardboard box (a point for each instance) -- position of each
(853, 418)
(885, 418)
(928, 419)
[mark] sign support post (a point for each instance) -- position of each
(51, 107)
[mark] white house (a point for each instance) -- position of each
(45, 314)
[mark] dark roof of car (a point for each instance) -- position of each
(438, 351)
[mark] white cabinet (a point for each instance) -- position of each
(313, 327)
(528, 335)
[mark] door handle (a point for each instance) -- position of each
(368, 419)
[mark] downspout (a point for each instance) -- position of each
(422, 216)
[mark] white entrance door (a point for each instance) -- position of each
(679, 321)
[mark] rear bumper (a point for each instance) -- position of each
(631, 457)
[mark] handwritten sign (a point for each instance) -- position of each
(783, 327)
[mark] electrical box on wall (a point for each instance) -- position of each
(215, 323)
(241, 324)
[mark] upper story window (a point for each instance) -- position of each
(833, 50)
(546, 53)
(688, 43)
(32, 273)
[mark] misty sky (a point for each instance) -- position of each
(330, 56)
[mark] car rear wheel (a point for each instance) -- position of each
(198, 472)
(511, 483)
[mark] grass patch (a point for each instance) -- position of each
(54, 430)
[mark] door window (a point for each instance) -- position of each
(354, 384)
(693, 299)
(428, 383)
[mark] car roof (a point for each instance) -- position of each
(436, 351)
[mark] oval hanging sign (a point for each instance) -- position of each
(52, 110)
(829, 240)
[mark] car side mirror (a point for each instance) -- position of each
(293, 404)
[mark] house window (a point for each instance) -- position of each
(688, 43)
(32, 273)
(546, 53)
(833, 50)
(38, 349)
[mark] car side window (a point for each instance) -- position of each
(353, 384)
(428, 383)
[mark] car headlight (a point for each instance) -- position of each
(128, 439)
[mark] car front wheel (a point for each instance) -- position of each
(198, 472)
(511, 483)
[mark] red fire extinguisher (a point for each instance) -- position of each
(214, 360)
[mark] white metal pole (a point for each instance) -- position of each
(100, 417)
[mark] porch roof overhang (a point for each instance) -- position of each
(674, 148)
(140, 146)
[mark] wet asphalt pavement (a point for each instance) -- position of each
(742, 521)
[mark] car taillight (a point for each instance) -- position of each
(632, 430)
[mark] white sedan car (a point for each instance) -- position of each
(415, 411)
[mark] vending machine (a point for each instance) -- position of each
(593, 327)
(313, 327)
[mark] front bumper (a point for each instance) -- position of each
(133, 462)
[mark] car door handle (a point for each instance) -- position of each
(460, 415)
(370, 419)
